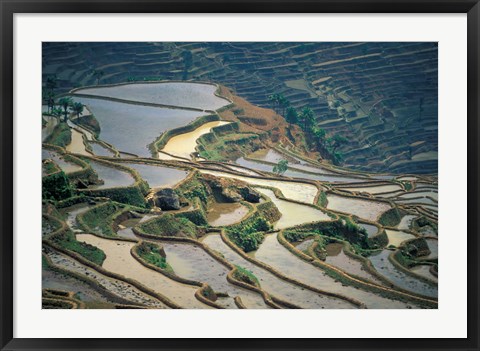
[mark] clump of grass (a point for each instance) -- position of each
(246, 276)
(68, 241)
(61, 135)
(153, 254)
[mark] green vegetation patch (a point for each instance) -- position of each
(322, 199)
(68, 241)
(195, 188)
(390, 218)
(170, 225)
(227, 146)
(246, 276)
(196, 216)
(342, 228)
(269, 211)
(50, 225)
(248, 235)
(127, 195)
(61, 135)
(99, 219)
(153, 254)
(56, 187)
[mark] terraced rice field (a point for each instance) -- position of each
(196, 244)
(365, 209)
(184, 145)
(180, 94)
(148, 122)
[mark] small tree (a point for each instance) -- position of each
(281, 167)
(292, 115)
(77, 108)
(65, 103)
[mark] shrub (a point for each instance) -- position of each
(153, 254)
(246, 276)
(169, 225)
(56, 186)
(248, 234)
(390, 218)
(61, 135)
(98, 219)
(68, 241)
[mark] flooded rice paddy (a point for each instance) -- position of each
(274, 285)
(365, 209)
(116, 119)
(375, 189)
(100, 150)
(183, 145)
(77, 145)
(293, 173)
(115, 286)
(133, 125)
(396, 238)
(158, 176)
(220, 214)
(119, 260)
(301, 192)
(181, 94)
(67, 167)
(292, 213)
(111, 176)
(386, 268)
(370, 228)
(192, 262)
(274, 254)
(337, 257)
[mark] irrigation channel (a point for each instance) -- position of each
(330, 237)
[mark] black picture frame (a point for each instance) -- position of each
(10, 7)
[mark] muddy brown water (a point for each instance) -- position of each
(220, 214)
(274, 254)
(77, 146)
(119, 260)
(369, 210)
(293, 213)
(184, 144)
(272, 284)
(301, 192)
(72, 212)
(192, 262)
(116, 119)
(337, 257)
(115, 286)
(125, 230)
